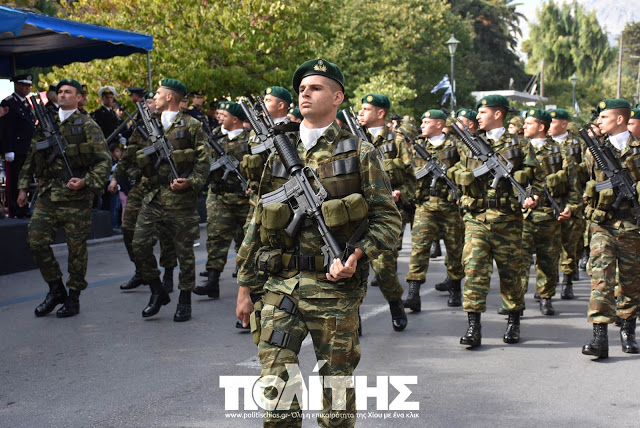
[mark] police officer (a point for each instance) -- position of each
(105, 115)
(196, 109)
(65, 201)
(300, 296)
(16, 129)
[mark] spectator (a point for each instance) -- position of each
(105, 116)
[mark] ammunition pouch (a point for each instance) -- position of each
(522, 177)
(273, 219)
(606, 197)
(252, 165)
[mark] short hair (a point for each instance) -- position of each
(624, 112)
(546, 124)
(503, 109)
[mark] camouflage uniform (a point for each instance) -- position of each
(493, 224)
(58, 206)
(541, 229)
(227, 206)
(326, 310)
(436, 214)
(615, 242)
(398, 165)
(173, 210)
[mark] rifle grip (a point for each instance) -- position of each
(294, 225)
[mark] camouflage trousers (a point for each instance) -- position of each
(571, 234)
(544, 238)
(182, 228)
(614, 249)
(385, 268)
(226, 220)
(167, 249)
(75, 219)
(485, 242)
(333, 325)
(429, 226)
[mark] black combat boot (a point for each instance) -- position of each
(546, 308)
(599, 345)
(212, 286)
(567, 288)
(582, 264)
(444, 285)
(57, 295)
(512, 334)
(575, 276)
(473, 337)
(204, 273)
(536, 296)
(628, 337)
(374, 281)
(71, 305)
(235, 272)
(135, 281)
(167, 280)
(413, 297)
(436, 251)
(455, 294)
(398, 316)
(183, 311)
(159, 298)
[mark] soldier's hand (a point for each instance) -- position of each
(22, 198)
(531, 203)
(179, 184)
(76, 184)
(339, 271)
(396, 195)
(3, 111)
(564, 215)
(113, 186)
(244, 306)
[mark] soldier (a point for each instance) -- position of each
(127, 171)
(16, 130)
(468, 118)
(227, 202)
(615, 241)
(170, 201)
(493, 221)
(105, 116)
(301, 297)
(294, 115)
(437, 214)
(83, 101)
(516, 124)
(52, 98)
(571, 229)
(397, 163)
(634, 123)
(541, 229)
(65, 201)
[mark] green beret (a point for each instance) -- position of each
(542, 115)
(320, 67)
(174, 85)
(295, 111)
(149, 94)
(70, 82)
(614, 103)
(635, 114)
(235, 109)
(493, 101)
(559, 113)
(221, 105)
(279, 92)
(468, 113)
(434, 114)
(377, 100)
(340, 116)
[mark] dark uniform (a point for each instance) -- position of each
(106, 117)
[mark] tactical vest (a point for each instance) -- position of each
(572, 149)
(551, 162)
(448, 154)
(393, 166)
(237, 149)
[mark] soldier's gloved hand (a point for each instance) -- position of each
(339, 271)
(9, 157)
(244, 306)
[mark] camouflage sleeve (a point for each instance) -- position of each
(530, 161)
(408, 188)
(574, 197)
(200, 172)
(28, 168)
(98, 174)
(384, 219)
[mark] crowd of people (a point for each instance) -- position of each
(492, 194)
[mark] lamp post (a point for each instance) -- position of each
(452, 44)
(574, 81)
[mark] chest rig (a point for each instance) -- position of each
(388, 151)
(552, 162)
(238, 148)
(447, 153)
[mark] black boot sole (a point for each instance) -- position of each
(604, 354)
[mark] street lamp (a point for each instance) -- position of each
(452, 44)
(574, 81)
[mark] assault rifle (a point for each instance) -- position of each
(434, 166)
(226, 161)
(53, 139)
(618, 178)
(494, 163)
(555, 206)
(265, 132)
(297, 192)
(354, 126)
(160, 144)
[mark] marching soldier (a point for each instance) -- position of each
(634, 123)
(437, 214)
(294, 115)
(397, 163)
(65, 201)
(300, 296)
(170, 201)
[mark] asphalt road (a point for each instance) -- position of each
(109, 367)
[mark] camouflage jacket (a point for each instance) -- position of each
(438, 198)
(384, 221)
(483, 202)
(397, 162)
(87, 153)
(192, 158)
(230, 190)
(127, 167)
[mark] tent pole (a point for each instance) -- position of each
(149, 70)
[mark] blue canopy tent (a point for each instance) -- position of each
(33, 40)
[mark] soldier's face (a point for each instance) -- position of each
(532, 128)
(151, 103)
(370, 115)
(558, 127)
(489, 118)
(468, 123)
(161, 99)
(68, 97)
(634, 127)
(22, 89)
(198, 101)
(108, 100)
(274, 105)
(609, 120)
(228, 120)
(319, 99)
(431, 127)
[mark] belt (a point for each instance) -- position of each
(308, 263)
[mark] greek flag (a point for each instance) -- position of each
(444, 84)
